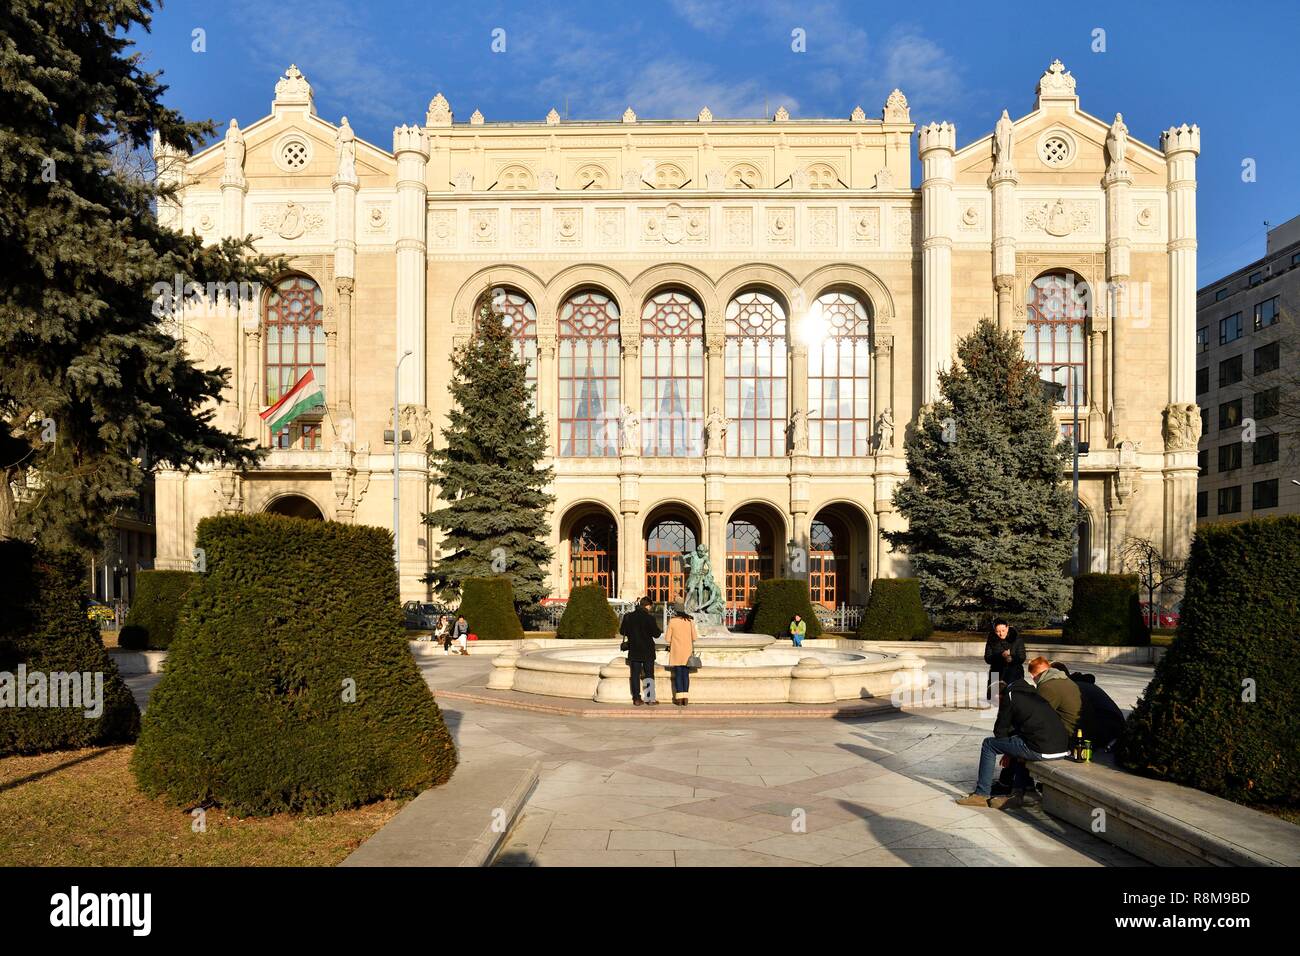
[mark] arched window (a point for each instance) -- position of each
(516, 178)
(669, 176)
(839, 377)
(593, 554)
(589, 376)
(751, 555)
(828, 562)
(822, 176)
(592, 176)
(295, 344)
(755, 376)
(519, 316)
(672, 375)
(1059, 308)
(744, 176)
(667, 541)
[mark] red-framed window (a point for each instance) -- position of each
(755, 360)
(839, 378)
(295, 342)
(589, 356)
(1056, 326)
(750, 559)
(593, 554)
(828, 564)
(672, 376)
(519, 316)
(665, 548)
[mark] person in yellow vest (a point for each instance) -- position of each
(798, 628)
(681, 645)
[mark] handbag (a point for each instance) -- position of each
(694, 661)
(623, 646)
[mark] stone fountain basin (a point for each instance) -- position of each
(759, 673)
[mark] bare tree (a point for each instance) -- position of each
(1156, 574)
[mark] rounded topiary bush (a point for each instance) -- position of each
(588, 615)
(159, 596)
(289, 685)
(1105, 610)
(44, 629)
(1222, 712)
(488, 605)
(777, 601)
(894, 612)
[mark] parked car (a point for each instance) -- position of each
(1163, 618)
(422, 615)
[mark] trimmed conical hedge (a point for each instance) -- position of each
(488, 605)
(1222, 712)
(159, 596)
(44, 628)
(290, 685)
(777, 601)
(894, 612)
(588, 615)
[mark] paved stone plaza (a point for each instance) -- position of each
(684, 792)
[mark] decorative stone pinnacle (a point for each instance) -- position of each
(859, 115)
(782, 115)
(553, 118)
(292, 89)
(1179, 139)
(706, 115)
(896, 108)
(439, 113)
(1056, 83)
(476, 118)
(629, 116)
(410, 139)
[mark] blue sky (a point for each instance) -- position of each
(1231, 68)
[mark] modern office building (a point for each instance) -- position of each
(730, 322)
(1248, 385)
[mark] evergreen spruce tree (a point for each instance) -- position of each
(990, 522)
(488, 471)
(93, 388)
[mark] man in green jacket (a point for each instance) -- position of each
(1059, 691)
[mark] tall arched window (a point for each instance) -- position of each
(755, 376)
(667, 541)
(295, 343)
(519, 316)
(672, 375)
(589, 376)
(839, 378)
(1059, 307)
(593, 554)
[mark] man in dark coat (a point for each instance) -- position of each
(640, 630)
(1100, 717)
(1004, 652)
(1027, 728)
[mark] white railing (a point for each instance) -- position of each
(844, 618)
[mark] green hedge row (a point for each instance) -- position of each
(488, 605)
(777, 601)
(588, 615)
(44, 628)
(1222, 712)
(159, 596)
(894, 612)
(290, 686)
(1106, 610)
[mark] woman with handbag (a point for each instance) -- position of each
(681, 654)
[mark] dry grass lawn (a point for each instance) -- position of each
(82, 808)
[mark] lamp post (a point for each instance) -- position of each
(1074, 400)
(397, 472)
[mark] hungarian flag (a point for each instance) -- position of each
(305, 395)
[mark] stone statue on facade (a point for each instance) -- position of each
(715, 432)
(1002, 143)
(345, 144)
(1182, 426)
(885, 431)
(235, 150)
(1117, 140)
(798, 431)
(418, 420)
(629, 430)
(704, 599)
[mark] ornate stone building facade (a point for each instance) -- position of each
(730, 322)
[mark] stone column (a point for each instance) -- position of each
(630, 581)
(253, 388)
(936, 146)
(345, 270)
(344, 386)
(1096, 388)
(715, 463)
(1182, 419)
(800, 464)
(883, 375)
(546, 388)
(1003, 184)
(412, 269)
(233, 190)
(1117, 183)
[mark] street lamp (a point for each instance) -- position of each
(1074, 400)
(397, 472)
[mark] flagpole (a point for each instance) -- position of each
(397, 474)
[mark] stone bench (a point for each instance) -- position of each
(1164, 823)
(462, 823)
